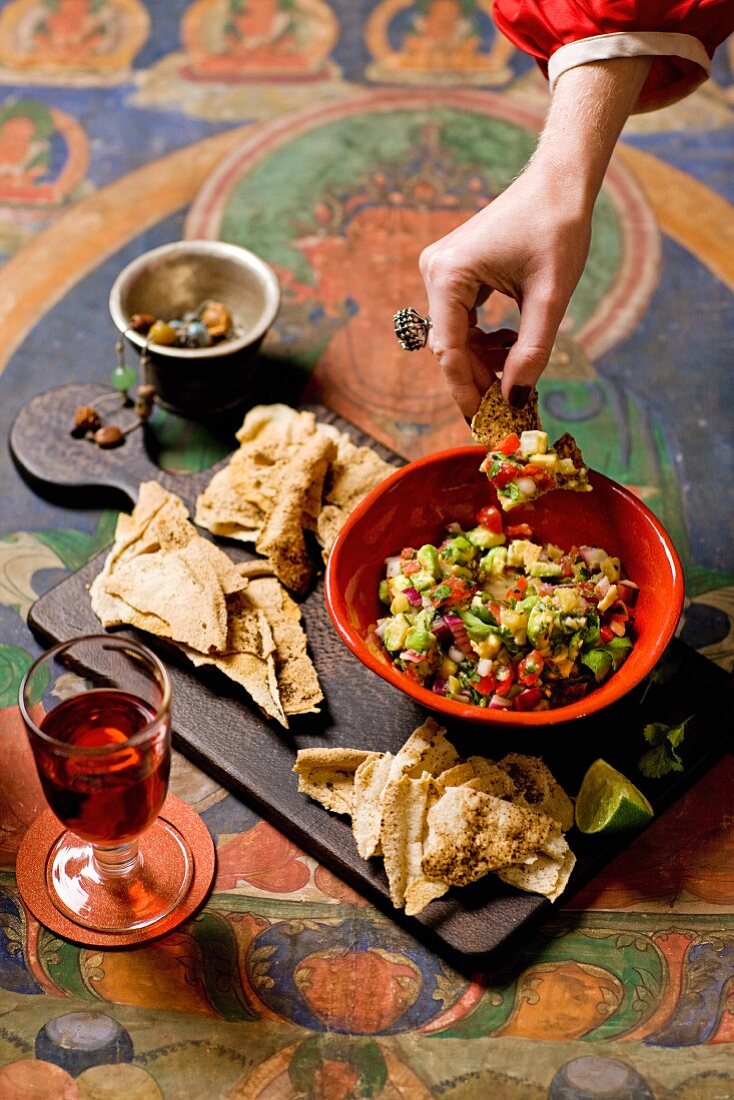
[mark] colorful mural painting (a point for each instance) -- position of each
(336, 139)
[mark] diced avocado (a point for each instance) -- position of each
(540, 624)
(459, 571)
(494, 562)
(399, 604)
(545, 569)
(399, 584)
(458, 550)
(428, 557)
(395, 633)
(533, 442)
(483, 538)
(423, 580)
(383, 592)
(419, 639)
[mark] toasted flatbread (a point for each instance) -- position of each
(494, 420)
(426, 750)
(298, 684)
(471, 833)
(405, 806)
(370, 780)
(327, 776)
(536, 789)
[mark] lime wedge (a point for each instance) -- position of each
(609, 802)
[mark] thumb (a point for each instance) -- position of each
(541, 315)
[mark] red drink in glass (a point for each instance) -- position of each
(103, 753)
(108, 798)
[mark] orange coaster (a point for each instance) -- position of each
(30, 873)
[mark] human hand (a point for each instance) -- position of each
(530, 243)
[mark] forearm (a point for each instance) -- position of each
(590, 105)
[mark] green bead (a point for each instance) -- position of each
(123, 378)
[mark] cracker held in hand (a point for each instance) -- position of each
(521, 464)
(439, 821)
(290, 475)
(163, 577)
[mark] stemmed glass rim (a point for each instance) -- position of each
(138, 738)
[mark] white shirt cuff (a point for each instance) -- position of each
(602, 47)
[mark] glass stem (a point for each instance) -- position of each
(118, 862)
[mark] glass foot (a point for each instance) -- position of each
(99, 891)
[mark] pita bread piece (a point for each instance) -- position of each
(282, 538)
(535, 788)
(249, 660)
(370, 780)
(298, 684)
(426, 750)
(471, 833)
(547, 875)
(355, 471)
(180, 587)
(494, 420)
(327, 775)
(405, 806)
(480, 774)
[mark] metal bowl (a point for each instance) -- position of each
(177, 278)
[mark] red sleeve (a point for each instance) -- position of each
(541, 27)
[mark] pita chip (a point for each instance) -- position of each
(547, 875)
(536, 788)
(180, 588)
(494, 420)
(471, 833)
(405, 806)
(355, 471)
(298, 684)
(327, 775)
(426, 750)
(370, 780)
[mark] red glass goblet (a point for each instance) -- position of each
(103, 753)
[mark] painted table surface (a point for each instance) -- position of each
(335, 139)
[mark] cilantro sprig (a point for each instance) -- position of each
(663, 757)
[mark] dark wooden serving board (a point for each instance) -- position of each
(217, 726)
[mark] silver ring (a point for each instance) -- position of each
(411, 329)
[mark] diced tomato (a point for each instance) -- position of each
(539, 475)
(495, 609)
(606, 634)
(461, 590)
(410, 567)
(530, 668)
(509, 444)
(519, 531)
(528, 699)
(505, 677)
(485, 685)
(491, 518)
(506, 473)
(518, 589)
(408, 553)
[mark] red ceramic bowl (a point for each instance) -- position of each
(414, 505)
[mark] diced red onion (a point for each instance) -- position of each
(528, 700)
(497, 702)
(381, 628)
(439, 686)
(592, 555)
(618, 628)
(412, 656)
(413, 595)
(628, 592)
(461, 638)
(393, 567)
(440, 628)
(484, 667)
(602, 587)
